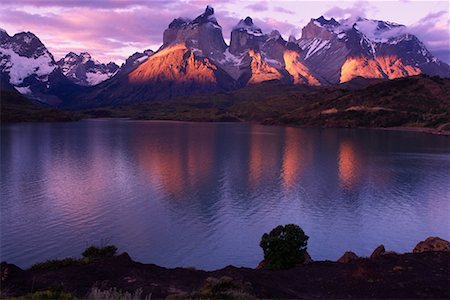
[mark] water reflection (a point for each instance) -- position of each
(190, 194)
(349, 169)
(263, 155)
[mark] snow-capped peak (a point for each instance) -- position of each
(83, 70)
(377, 31)
(23, 55)
(248, 26)
(85, 57)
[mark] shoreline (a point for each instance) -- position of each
(434, 131)
(422, 273)
(427, 130)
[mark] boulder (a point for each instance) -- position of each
(378, 251)
(348, 257)
(432, 244)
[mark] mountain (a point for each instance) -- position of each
(15, 107)
(28, 66)
(185, 64)
(83, 70)
(135, 60)
(194, 59)
(418, 101)
(340, 51)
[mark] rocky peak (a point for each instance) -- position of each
(135, 60)
(246, 35)
(85, 57)
(205, 17)
(25, 44)
(203, 33)
(248, 26)
(83, 70)
(318, 28)
(328, 23)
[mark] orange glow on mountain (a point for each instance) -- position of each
(176, 63)
(261, 71)
(301, 74)
(348, 164)
(394, 68)
(381, 67)
(360, 66)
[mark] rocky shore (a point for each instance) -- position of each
(423, 274)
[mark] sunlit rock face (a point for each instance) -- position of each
(194, 58)
(263, 56)
(261, 70)
(176, 64)
(299, 72)
(341, 51)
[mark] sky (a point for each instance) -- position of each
(112, 30)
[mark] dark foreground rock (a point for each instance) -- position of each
(410, 275)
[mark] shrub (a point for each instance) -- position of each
(55, 264)
(284, 247)
(94, 252)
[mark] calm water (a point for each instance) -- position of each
(193, 194)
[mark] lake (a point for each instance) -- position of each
(202, 194)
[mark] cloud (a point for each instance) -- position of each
(359, 9)
(258, 6)
(434, 31)
(112, 34)
(283, 10)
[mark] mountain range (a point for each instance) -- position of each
(194, 59)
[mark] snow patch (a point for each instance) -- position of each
(97, 77)
(24, 90)
(230, 58)
(317, 45)
(20, 67)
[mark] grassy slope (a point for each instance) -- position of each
(415, 101)
(16, 108)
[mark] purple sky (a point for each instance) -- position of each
(114, 29)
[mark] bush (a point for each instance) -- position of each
(94, 252)
(284, 247)
(55, 264)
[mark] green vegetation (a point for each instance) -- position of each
(414, 101)
(94, 252)
(54, 264)
(16, 108)
(284, 247)
(89, 254)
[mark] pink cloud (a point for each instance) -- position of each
(114, 29)
(258, 6)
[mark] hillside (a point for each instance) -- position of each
(14, 107)
(418, 101)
